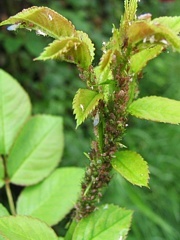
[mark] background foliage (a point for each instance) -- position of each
(52, 85)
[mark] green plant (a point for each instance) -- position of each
(109, 98)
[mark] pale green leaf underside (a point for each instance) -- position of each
(171, 22)
(70, 49)
(108, 222)
(15, 109)
(44, 20)
(36, 151)
(84, 103)
(132, 167)
(3, 211)
(25, 228)
(139, 60)
(53, 198)
(157, 109)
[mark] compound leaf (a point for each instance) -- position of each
(25, 228)
(157, 109)
(84, 103)
(15, 109)
(43, 20)
(108, 222)
(36, 151)
(132, 167)
(53, 198)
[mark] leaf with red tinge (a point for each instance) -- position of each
(132, 167)
(69, 49)
(43, 20)
(107, 222)
(157, 109)
(84, 103)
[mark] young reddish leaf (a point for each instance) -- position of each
(85, 39)
(172, 23)
(132, 167)
(157, 109)
(153, 33)
(84, 103)
(139, 60)
(58, 48)
(69, 49)
(107, 222)
(42, 19)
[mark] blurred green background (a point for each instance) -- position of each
(52, 85)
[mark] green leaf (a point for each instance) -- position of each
(153, 33)
(53, 198)
(172, 23)
(157, 109)
(139, 60)
(108, 222)
(3, 211)
(84, 103)
(132, 167)
(15, 109)
(42, 19)
(70, 231)
(1, 172)
(25, 228)
(70, 49)
(36, 151)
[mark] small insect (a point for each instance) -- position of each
(13, 27)
(39, 32)
(146, 16)
(82, 107)
(96, 120)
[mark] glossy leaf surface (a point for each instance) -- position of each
(15, 109)
(25, 228)
(84, 103)
(53, 198)
(108, 222)
(132, 167)
(157, 109)
(37, 150)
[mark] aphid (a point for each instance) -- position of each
(82, 107)
(13, 27)
(39, 32)
(96, 120)
(50, 17)
(146, 16)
